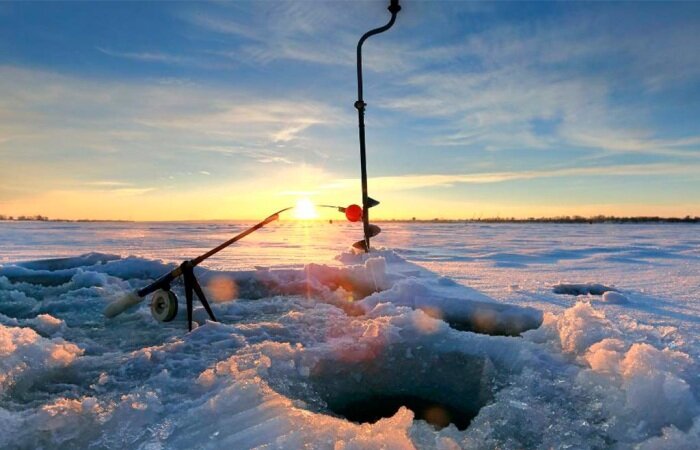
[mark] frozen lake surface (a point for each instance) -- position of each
(319, 348)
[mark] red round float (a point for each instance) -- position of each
(353, 213)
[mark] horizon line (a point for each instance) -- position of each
(512, 219)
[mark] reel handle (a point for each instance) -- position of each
(119, 306)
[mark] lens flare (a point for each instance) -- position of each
(222, 289)
(305, 210)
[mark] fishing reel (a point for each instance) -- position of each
(164, 305)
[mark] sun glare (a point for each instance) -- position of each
(305, 210)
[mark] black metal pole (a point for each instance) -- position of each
(394, 8)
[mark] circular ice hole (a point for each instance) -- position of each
(372, 409)
(439, 387)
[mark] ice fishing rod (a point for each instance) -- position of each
(164, 304)
(367, 201)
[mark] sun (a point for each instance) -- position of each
(305, 210)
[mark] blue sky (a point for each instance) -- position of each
(132, 110)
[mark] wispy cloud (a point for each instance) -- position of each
(107, 183)
(226, 26)
(131, 192)
(246, 121)
(489, 89)
(199, 59)
(273, 31)
(146, 129)
(419, 181)
(147, 56)
(633, 141)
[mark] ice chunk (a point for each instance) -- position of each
(464, 314)
(674, 439)
(605, 356)
(581, 326)
(48, 324)
(24, 355)
(615, 298)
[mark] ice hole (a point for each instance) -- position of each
(439, 387)
(371, 409)
(581, 289)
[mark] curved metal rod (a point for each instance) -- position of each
(367, 35)
(394, 8)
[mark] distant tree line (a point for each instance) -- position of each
(594, 219)
(565, 219)
(557, 219)
(38, 217)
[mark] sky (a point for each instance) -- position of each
(193, 111)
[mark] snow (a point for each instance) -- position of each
(307, 341)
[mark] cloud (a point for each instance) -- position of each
(131, 192)
(198, 59)
(632, 141)
(277, 31)
(147, 56)
(486, 88)
(289, 133)
(130, 112)
(107, 183)
(220, 25)
(419, 181)
(274, 160)
(261, 155)
(579, 70)
(61, 130)
(246, 122)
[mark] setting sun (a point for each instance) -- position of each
(305, 210)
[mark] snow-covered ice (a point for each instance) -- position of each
(308, 339)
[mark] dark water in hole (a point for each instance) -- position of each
(372, 409)
(440, 387)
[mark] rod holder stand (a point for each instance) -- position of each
(192, 288)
